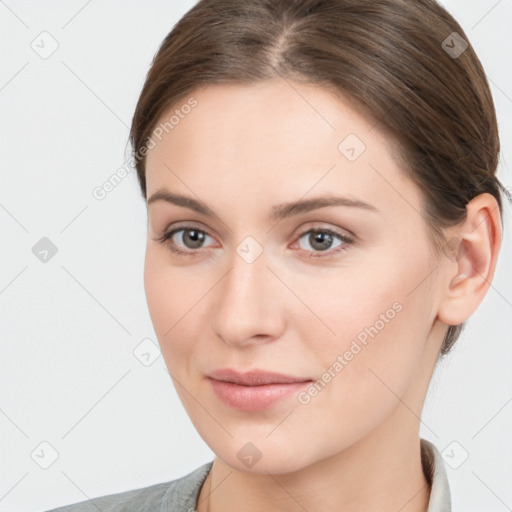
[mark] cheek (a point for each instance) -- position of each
(360, 383)
(170, 296)
(160, 295)
(177, 298)
(381, 324)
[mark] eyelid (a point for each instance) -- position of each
(185, 225)
(304, 230)
(325, 226)
(170, 232)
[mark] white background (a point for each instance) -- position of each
(68, 327)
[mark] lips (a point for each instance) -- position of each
(254, 377)
(254, 390)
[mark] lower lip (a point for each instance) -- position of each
(254, 398)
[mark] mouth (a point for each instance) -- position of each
(254, 390)
(254, 377)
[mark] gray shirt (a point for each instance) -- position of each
(181, 495)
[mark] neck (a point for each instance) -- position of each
(382, 471)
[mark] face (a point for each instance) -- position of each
(339, 298)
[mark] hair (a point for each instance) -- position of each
(391, 58)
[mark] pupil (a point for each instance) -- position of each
(324, 238)
(197, 238)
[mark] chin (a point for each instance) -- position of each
(262, 456)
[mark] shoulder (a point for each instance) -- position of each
(178, 495)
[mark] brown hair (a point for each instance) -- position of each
(396, 59)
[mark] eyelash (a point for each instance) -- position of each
(314, 254)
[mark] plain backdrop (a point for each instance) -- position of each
(82, 412)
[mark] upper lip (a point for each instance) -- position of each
(254, 377)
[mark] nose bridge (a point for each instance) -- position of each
(247, 298)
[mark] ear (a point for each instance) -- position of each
(470, 261)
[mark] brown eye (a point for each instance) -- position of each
(322, 240)
(190, 240)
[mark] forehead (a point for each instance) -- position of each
(279, 134)
(266, 117)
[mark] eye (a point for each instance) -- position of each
(191, 238)
(321, 240)
(188, 240)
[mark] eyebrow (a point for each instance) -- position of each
(278, 212)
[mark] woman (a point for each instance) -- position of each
(323, 217)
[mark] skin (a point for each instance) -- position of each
(355, 446)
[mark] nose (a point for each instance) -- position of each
(249, 303)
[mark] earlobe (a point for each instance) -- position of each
(469, 274)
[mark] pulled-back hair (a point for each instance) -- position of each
(407, 63)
